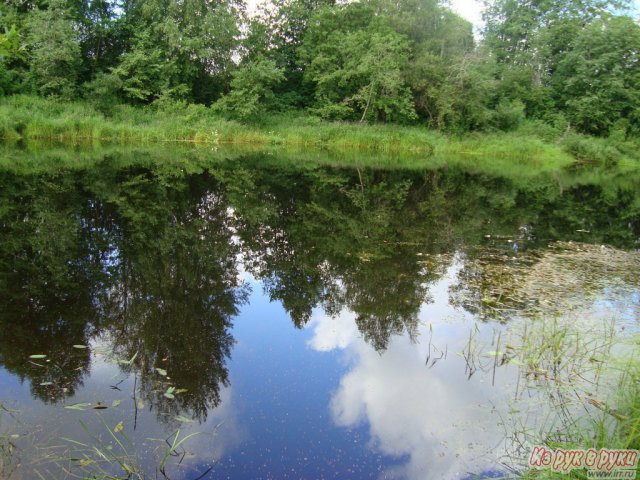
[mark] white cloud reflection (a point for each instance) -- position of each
(443, 423)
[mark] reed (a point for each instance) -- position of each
(25, 118)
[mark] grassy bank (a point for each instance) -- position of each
(30, 118)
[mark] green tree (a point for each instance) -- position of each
(144, 74)
(458, 99)
(440, 40)
(536, 33)
(251, 90)
(100, 34)
(355, 63)
(12, 56)
(55, 56)
(179, 49)
(280, 30)
(598, 82)
(530, 38)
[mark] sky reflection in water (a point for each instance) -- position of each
(317, 323)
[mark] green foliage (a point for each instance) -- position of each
(251, 90)
(179, 50)
(571, 57)
(538, 34)
(143, 73)
(278, 34)
(508, 115)
(461, 101)
(9, 80)
(570, 64)
(103, 91)
(101, 35)
(13, 55)
(11, 47)
(54, 51)
(601, 76)
(590, 149)
(355, 63)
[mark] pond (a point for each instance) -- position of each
(189, 314)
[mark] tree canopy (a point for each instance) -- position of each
(571, 62)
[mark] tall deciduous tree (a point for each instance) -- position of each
(180, 49)
(598, 82)
(251, 89)
(55, 52)
(355, 62)
(100, 34)
(282, 26)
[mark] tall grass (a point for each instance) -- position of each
(30, 118)
(589, 386)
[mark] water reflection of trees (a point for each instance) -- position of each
(48, 276)
(147, 255)
(174, 291)
(147, 263)
(352, 240)
(374, 241)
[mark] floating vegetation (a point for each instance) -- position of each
(564, 278)
(78, 406)
(109, 454)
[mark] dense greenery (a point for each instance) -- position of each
(570, 64)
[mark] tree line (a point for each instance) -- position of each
(568, 63)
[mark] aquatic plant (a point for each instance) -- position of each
(109, 454)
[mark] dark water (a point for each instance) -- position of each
(300, 321)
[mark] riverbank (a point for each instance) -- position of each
(25, 118)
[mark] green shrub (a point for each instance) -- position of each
(591, 149)
(508, 115)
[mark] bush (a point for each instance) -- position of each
(542, 130)
(103, 92)
(334, 111)
(591, 149)
(508, 115)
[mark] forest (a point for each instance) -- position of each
(560, 65)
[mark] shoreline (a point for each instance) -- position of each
(33, 119)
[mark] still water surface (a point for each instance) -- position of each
(303, 321)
